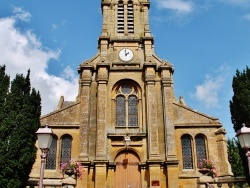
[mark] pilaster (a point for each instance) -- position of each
(100, 174)
(84, 82)
(167, 94)
(225, 167)
(155, 175)
(153, 138)
(102, 79)
(173, 175)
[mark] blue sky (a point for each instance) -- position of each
(205, 40)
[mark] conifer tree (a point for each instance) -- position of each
(4, 88)
(21, 121)
(234, 157)
(240, 107)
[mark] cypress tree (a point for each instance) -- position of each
(23, 109)
(240, 107)
(4, 88)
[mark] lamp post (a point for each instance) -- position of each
(44, 136)
(244, 138)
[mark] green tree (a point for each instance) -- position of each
(240, 107)
(234, 157)
(22, 110)
(4, 88)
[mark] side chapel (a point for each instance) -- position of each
(126, 91)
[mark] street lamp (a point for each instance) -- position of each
(127, 141)
(44, 136)
(244, 138)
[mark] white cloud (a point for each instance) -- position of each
(23, 51)
(207, 92)
(179, 6)
(21, 14)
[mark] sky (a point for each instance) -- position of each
(205, 40)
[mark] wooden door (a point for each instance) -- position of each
(127, 173)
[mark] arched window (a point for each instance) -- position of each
(51, 156)
(66, 148)
(187, 156)
(200, 148)
(126, 106)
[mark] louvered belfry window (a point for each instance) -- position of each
(200, 148)
(51, 156)
(130, 17)
(126, 106)
(66, 148)
(120, 17)
(187, 155)
(125, 18)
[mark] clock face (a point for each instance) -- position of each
(126, 54)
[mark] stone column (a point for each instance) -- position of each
(168, 96)
(102, 79)
(85, 81)
(153, 140)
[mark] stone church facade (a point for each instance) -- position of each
(125, 90)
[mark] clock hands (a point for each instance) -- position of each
(126, 53)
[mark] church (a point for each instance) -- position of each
(126, 126)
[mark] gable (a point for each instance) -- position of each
(186, 116)
(66, 115)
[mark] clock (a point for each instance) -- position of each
(126, 54)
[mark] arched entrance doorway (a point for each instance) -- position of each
(127, 173)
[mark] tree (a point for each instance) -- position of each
(22, 110)
(234, 158)
(240, 107)
(4, 88)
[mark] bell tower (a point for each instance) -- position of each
(125, 37)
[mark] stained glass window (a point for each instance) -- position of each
(200, 148)
(132, 111)
(66, 148)
(187, 155)
(126, 106)
(51, 156)
(126, 89)
(120, 111)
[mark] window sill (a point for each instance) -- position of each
(129, 127)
